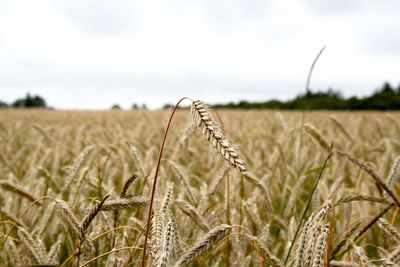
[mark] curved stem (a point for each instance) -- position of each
(155, 179)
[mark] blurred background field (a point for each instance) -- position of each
(79, 157)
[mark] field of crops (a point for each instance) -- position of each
(263, 188)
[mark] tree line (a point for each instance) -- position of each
(385, 98)
(27, 102)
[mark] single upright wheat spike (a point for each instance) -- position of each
(75, 167)
(308, 238)
(164, 254)
(168, 198)
(320, 249)
(53, 253)
(13, 252)
(163, 230)
(137, 157)
(30, 244)
(301, 243)
(212, 132)
(394, 173)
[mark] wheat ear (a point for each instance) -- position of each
(30, 244)
(389, 229)
(394, 257)
(371, 173)
(212, 132)
(360, 197)
(92, 214)
(75, 167)
(124, 203)
(319, 252)
(212, 237)
(164, 256)
(318, 137)
(394, 173)
(68, 215)
(83, 242)
(192, 213)
(14, 188)
(265, 252)
(53, 253)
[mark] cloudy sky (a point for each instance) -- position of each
(94, 53)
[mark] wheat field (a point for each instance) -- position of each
(234, 188)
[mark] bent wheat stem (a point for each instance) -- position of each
(153, 190)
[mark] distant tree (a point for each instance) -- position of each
(3, 104)
(387, 88)
(168, 106)
(30, 102)
(144, 106)
(116, 106)
(135, 106)
(385, 98)
(37, 101)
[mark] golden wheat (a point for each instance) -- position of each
(57, 166)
